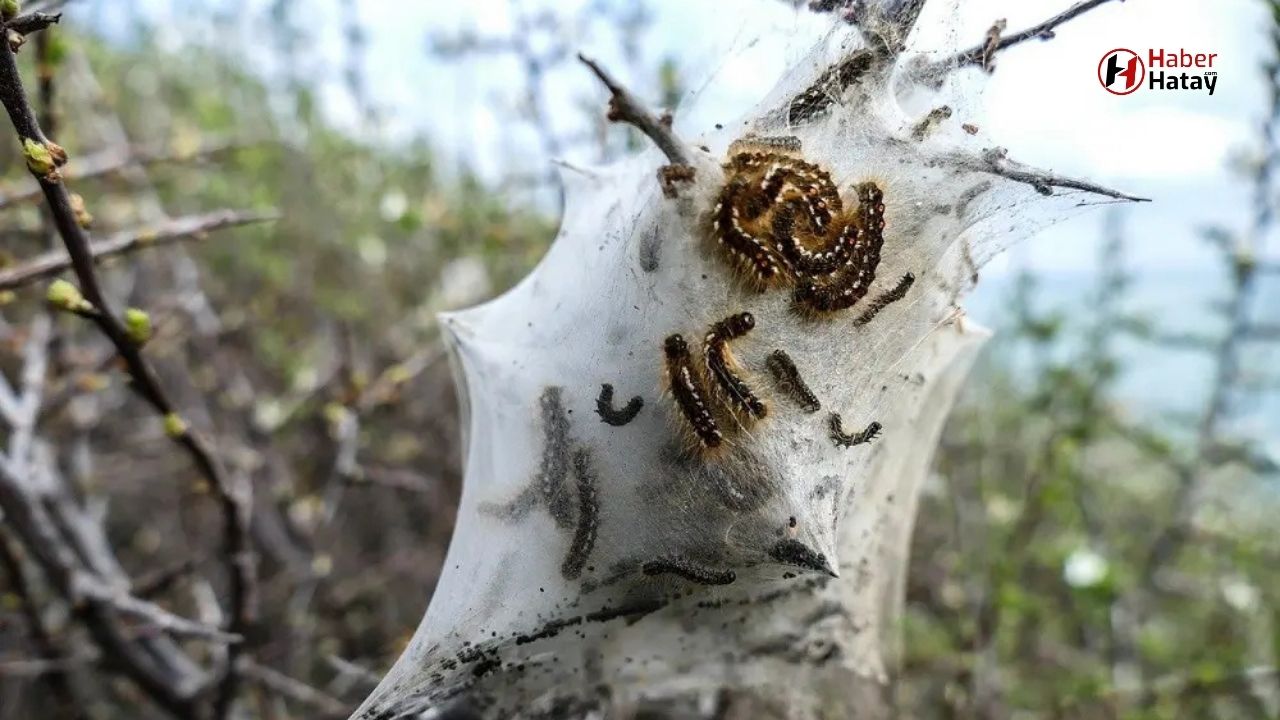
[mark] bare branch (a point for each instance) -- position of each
(996, 162)
(295, 690)
(122, 243)
(980, 55)
(118, 160)
(624, 107)
(33, 22)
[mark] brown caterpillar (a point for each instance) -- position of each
(824, 260)
(744, 247)
(614, 416)
(787, 377)
(811, 184)
(715, 351)
(689, 571)
(843, 439)
(854, 280)
(689, 390)
(584, 536)
(887, 298)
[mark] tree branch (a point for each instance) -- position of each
(624, 107)
(980, 55)
(996, 161)
(125, 242)
(120, 159)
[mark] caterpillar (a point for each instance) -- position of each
(852, 282)
(614, 416)
(887, 298)
(715, 350)
(689, 391)
(689, 571)
(745, 248)
(843, 439)
(554, 466)
(584, 536)
(794, 552)
(787, 377)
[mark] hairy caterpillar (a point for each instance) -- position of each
(843, 439)
(794, 552)
(719, 363)
(787, 377)
(554, 467)
(854, 280)
(887, 298)
(689, 391)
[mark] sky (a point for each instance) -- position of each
(1181, 149)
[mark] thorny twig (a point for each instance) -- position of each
(54, 262)
(233, 501)
(624, 107)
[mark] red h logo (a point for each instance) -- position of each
(1121, 71)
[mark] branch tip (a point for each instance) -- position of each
(625, 108)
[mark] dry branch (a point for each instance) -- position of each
(624, 107)
(54, 262)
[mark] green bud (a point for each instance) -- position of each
(9, 9)
(65, 296)
(174, 425)
(39, 159)
(137, 323)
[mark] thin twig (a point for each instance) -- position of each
(979, 55)
(995, 161)
(54, 262)
(118, 160)
(296, 690)
(624, 107)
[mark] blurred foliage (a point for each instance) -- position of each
(1036, 589)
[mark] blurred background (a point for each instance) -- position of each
(1098, 540)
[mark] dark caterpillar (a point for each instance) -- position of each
(748, 250)
(689, 391)
(887, 298)
(584, 536)
(719, 363)
(843, 439)
(613, 416)
(787, 377)
(689, 571)
(794, 552)
(554, 467)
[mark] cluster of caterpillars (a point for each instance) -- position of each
(780, 222)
